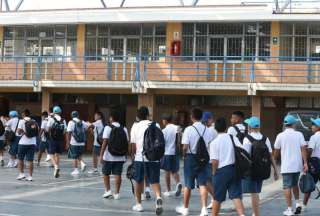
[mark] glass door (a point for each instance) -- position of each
(117, 49)
(234, 45)
(132, 48)
(314, 52)
(216, 49)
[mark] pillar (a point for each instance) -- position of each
(174, 32)
(1, 39)
(148, 100)
(275, 40)
(81, 37)
(46, 100)
(256, 106)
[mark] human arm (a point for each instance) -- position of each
(214, 166)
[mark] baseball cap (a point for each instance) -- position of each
(290, 120)
(13, 113)
(316, 121)
(206, 116)
(57, 109)
(253, 122)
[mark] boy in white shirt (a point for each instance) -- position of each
(12, 127)
(142, 166)
(238, 128)
(2, 139)
(170, 161)
(314, 156)
(292, 146)
(43, 136)
(113, 164)
(224, 178)
(192, 169)
(76, 141)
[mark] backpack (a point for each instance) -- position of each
(99, 138)
(11, 135)
(261, 159)
(79, 133)
(202, 155)
(130, 175)
(118, 141)
(2, 129)
(153, 143)
(243, 161)
(241, 135)
(32, 129)
(57, 130)
(314, 167)
(306, 183)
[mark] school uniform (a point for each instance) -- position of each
(98, 129)
(249, 185)
(27, 145)
(232, 131)
(76, 149)
(314, 145)
(2, 138)
(170, 160)
(225, 179)
(142, 166)
(55, 146)
(192, 171)
(113, 165)
(289, 142)
(12, 125)
(43, 136)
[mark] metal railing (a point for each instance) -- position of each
(162, 68)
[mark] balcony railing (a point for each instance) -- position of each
(166, 68)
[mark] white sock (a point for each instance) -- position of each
(1, 158)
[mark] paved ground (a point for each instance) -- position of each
(82, 197)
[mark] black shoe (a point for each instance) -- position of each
(2, 163)
(159, 208)
(148, 195)
(298, 210)
(56, 173)
(179, 189)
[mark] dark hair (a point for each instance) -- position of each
(102, 118)
(143, 113)
(196, 114)
(238, 113)
(220, 125)
(26, 112)
(45, 114)
(167, 116)
(115, 115)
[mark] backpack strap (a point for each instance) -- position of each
(250, 138)
(237, 129)
(264, 139)
(205, 128)
(15, 131)
(232, 140)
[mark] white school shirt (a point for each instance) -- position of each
(222, 149)
(170, 135)
(4, 125)
(314, 144)
(44, 123)
(247, 145)
(133, 128)
(106, 135)
(98, 128)
(290, 142)
(233, 132)
(11, 125)
(190, 136)
(51, 121)
(70, 129)
(24, 139)
(138, 137)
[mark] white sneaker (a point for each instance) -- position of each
(304, 208)
(288, 212)
(204, 212)
(147, 192)
(29, 178)
(93, 171)
(210, 205)
(48, 158)
(143, 197)
(75, 172)
(10, 164)
(137, 208)
(83, 166)
(15, 164)
(116, 196)
(21, 176)
(298, 208)
(107, 194)
(167, 194)
(182, 210)
(178, 189)
(159, 208)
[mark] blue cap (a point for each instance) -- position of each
(13, 114)
(74, 114)
(206, 116)
(253, 122)
(57, 109)
(290, 120)
(316, 122)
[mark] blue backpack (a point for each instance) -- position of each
(79, 133)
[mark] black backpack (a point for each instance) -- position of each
(202, 155)
(57, 130)
(153, 143)
(261, 159)
(118, 141)
(2, 129)
(243, 162)
(241, 135)
(99, 136)
(32, 128)
(79, 133)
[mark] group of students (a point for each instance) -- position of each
(208, 149)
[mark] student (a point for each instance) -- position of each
(248, 184)
(76, 140)
(11, 128)
(238, 128)
(56, 128)
(224, 177)
(98, 127)
(192, 171)
(292, 146)
(314, 153)
(2, 139)
(43, 147)
(170, 161)
(113, 165)
(142, 166)
(29, 130)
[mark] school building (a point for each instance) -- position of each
(261, 57)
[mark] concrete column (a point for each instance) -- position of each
(1, 39)
(81, 37)
(148, 100)
(46, 100)
(275, 45)
(174, 32)
(256, 106)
